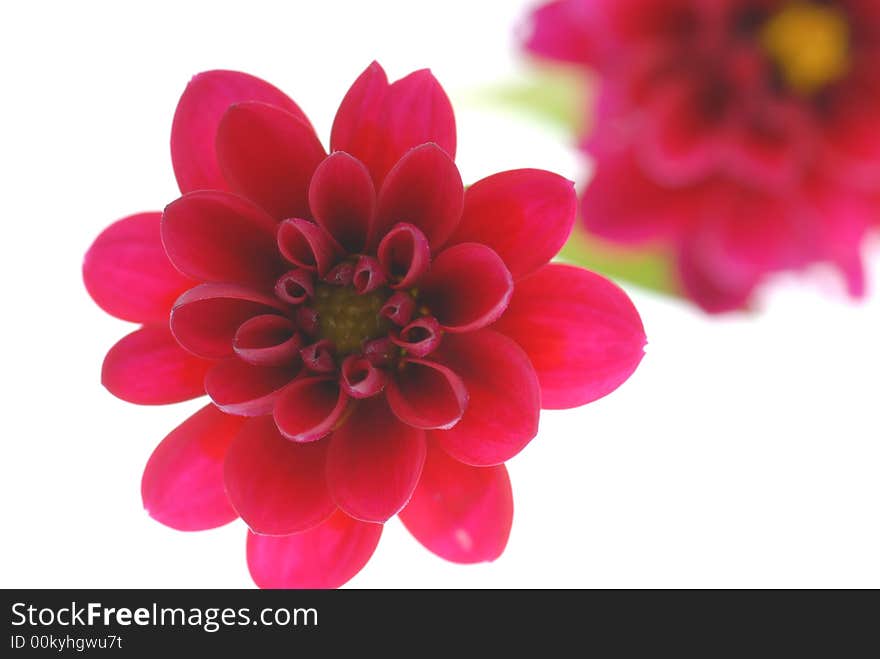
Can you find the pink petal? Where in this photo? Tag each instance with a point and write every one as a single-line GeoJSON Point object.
{"type": "Point", "coordinates": [683, 140]}
{"type": "Point", "coordinates": [198, 114]}
{"type": "Point", "coordinates": [367, 275]}
{"type": "Point", "coordinates": [360, 378]}
{"type": "Point", "coordinates": [269, 155]}
{"type": "Point", "coordinates": [128, 274]}
{"type": "Point", "coordinates": [295, 286]}
{"type": "Point", "coordinates": [277, 486]}
{"type": "Point", "coordinates": [267, 341]}
{"type": "Point", "coordinates": [713, 293]}
{"type": "Point", "coordinates": [378, 123]}
{"type": "Point", "coordinates": [148, 367]}
{"type": "Point", "coordinates": [205, 319]}
{"type": "Point", "coordinates": [399, 308]}
{"type": "Point", "coordinates": [423, 189]}
{"type": "Point", "coordinates": [343, 200]}
{"type": "Point", "coordinates": [468, 287]}
{"type": "Point", "coordinates": [581, 332]}
{"type": "Point", "coordinates": [357, 126]}
{"type": "Point", "coordinates": [307, 245]}
{"type": "Point", "coordinates": [460, 513]}
{"type": "Point", "coordinates": [504, 398]}
{"type": "Point", "coordinates": [405, 255]}
{"type": "Point", "coordinates": [310, 409]}
{"type": "Point", "coordinates": [426, 395]}
{"type": "Point", "coordinates": [622, 204]}
{"type": "Point", "coordinates": [850, 126]}
{"type": "Point", "coordinates": [417, 111]}
{"type": "Point", "coordinates": [318, 357]}
{"type": "Point", "coordinates": [341, 275]}
{"type": "Point", "coordinates": [374, 462]}
{"type": "Point", "coordinates": [183, 485]}
{"type": "Point", "coordinates": [420, 338]}
{"type": "Point", "coordinates": [525, 215]}
{"type": "Point", "coordinates": [326, 556]}
{"type": "Point", "coordinates": [380, 352]}
{"type": "Point", "coordinates": [237, 387]}
{"type": "Point", "coordinates": [217, 236]}
{"type": "Point", "coordinates": [567, 30]}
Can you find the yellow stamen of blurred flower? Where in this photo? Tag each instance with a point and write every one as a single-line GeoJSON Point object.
{"type": "Point", "coordinates": [809, 43]}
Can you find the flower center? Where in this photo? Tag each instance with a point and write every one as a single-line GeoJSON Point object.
{"type": "Point", "coordinates": [809, 43]}
{"type": "Point", "coordinates": [348, 318]}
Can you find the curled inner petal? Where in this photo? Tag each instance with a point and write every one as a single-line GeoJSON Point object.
{"type": "Point", "coordinates": [421, 337]}
{"type": "Point", "coordinates": [368, 275]}
{"type": "Point", "coordinates": [310, 408]}
{"type": "Point", "coordinates": [342, 274]}
{"type": "Point", "coordinates": [360, 378]}
{"type": "Point", "coordinates": [267, 340]}
{"type": "Point", "coordinates": [405, 255]}
{"type": "Point", "coordinates": [307, 245]}
{"type": "Point", "coordinates": [295, 286]}
{"type": "Point", "coordinates": [427, 395]}
{"type": "Point", "coordinates": [399, 308]}
{"type": "Point", "coordinates": [237, 387]}
{"type": "Point", "coordinates": [318, 357]}
{"type": "Point", "coordinates": [380, 352]}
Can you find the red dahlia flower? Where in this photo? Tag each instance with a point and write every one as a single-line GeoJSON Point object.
{"type": "Point", "coordinates": [374, 339]}
{"type": "Point", "coordinates": [740, 133]}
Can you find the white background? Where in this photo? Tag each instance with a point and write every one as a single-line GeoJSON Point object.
{"type": "Point", "coordinates": [744, 451]}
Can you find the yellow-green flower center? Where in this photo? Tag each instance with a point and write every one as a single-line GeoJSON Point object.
{"type": "Point", "coordinates": [349, 319]}
{"type": "Point", "coordinates": [809, 43]}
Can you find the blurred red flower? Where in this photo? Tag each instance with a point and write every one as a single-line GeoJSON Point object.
{"type": "Point", "coordinates": [374, 339]}
{"type": "Point", "coordinates": [742, 134]}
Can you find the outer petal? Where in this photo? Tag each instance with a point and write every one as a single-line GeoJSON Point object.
{"type": "Point", "coordinates": [205, 319]}
{"type": "Point", "coordinates": [218, 236]}
{"type": "Point", "coordinates": [423, 189]}
{"type": "Point", "coordinates": [148, 367]}
{"type": "Point", "coordinates": [427, 395]}
{"type": "Point", "coordinates": [343, 200]}
{"type": "Point", "coordinates": [183, 485]}
{"type": "Point", "coordinates": [374, 462]}
{"type": "Point", "coordinates": [581, 332]}
{"type": "Point", "coordinates": [326, 556]}
{"type": "Point", "coordinates": [460, 513]}
{"type": "Point", "coordinates": [128, 274]}
{"type": "Point", "coordinates": [356, 128]}
{"type": "Point", "coordinates": [237, 387]}
{"type": "Point", "coordinates": [504, 398]}
{"type": "Point", "coordinates": [277, 486]}
{"type": "Point", "coordinates": [198, 114]}
{"type": "Point", "coordinates": [378, 123]}
{"type": "Point", "coordinates": [269, 155]}
{"type": "Point", "coordinates": [525, 215]}
{"type": "Point", "coordinates": [468, 287]}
